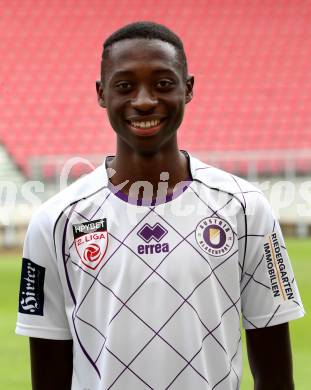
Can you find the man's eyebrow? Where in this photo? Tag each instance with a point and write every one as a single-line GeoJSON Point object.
{"type": "Point", "coordinates": [125, 73]}
{"type": "Point", "coordinates": [165, 70]}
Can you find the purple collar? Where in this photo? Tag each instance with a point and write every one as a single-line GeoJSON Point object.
{"type": "Point", "coordinates": [151, 202]}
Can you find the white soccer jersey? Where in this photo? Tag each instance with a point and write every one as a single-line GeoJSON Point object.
{"type": "Point", "coordinates": [152, 295]}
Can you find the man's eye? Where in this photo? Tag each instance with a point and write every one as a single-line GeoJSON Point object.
{"type": "Point", "coordinates": [124, 86]}
{"type": "Point", "coordinates": [164, 83]}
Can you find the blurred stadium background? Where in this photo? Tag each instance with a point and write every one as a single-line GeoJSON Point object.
{"type": "Point", "coordinates": [251, 112]}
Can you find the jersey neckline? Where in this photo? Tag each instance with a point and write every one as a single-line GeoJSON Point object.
{"type": "Point", "coordinates": [180, 188]}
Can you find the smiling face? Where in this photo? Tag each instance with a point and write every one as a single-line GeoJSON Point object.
{"type": "Point", "coordinates": [144, 92]}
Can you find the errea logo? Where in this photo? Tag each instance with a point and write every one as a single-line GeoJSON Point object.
{"type": "Point", "coordinates": [152, 233]}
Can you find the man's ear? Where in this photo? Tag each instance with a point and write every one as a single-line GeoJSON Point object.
{"type": "Point", "coordinates": [189, 88]}
{"type": "Point", "coordinates": [100, 94]}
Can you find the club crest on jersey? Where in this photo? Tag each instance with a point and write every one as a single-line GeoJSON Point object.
{"type": "Point", "coordinates": [215, 236]}
{"type": "Point", "coordinates": [91, 241]}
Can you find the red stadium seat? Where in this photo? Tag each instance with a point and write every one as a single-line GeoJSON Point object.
{"type": "Point", "coordinates": [252, 88]}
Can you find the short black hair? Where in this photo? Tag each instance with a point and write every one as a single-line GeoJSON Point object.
{"type": "Point", "coordinates": [146, 30]}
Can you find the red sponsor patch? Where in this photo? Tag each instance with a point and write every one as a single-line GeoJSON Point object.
{"type": "Point", "coordinates": [91, 242]}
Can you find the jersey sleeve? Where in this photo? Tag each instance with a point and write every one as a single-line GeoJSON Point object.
{"type": "Point", "coordinates": [41, 306]}
{"type": "Point", "coordinates": [269, 293]}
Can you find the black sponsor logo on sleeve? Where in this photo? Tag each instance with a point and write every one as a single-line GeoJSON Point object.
{"type": "Point", "coordinates": [31, 296]}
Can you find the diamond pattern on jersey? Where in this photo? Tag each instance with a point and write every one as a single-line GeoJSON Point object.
{"type": "Point", "coordinates": [160, 243]}
{"type": "Point", "coordinates": [188, 379]}
{"type": "Point", "coordinates": [155, 313]}
{"type": "Point", "coordinates": [160, 337]}
{"type": "Point", "coordinates": [189, 264]}
{"type": "Point", "coordinates": [178, 327]}
{"type": "Point", "coordinates": [201, 297]}
{"type": "Point", "coordinates": [128, 379]}
{"type": "Point", "coordinates": [216, 358]}
{"type": "Point", "coordinates": [113, 367]}
{"type": "Point", "coordinates": [256, 277]}
{"type": "Point", "coordinates": [103, 294]}
{"type": "Point", "coordinates": [225, 278]}
{"type": "Point", "coordinates": [116, 273]}
{"type": "Point", "coordinates": [150, 329]}
{"type": "Point", "coordinates": [158, 353]}
{"type": "Point", "coordinates": [90, 334]}
{"type": "Point", "coordinates": [120, 339]}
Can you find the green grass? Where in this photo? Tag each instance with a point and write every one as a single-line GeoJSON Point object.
{"type": "Point", "coordinates": [300, 252]}
{"type": "Point", "coordinates": [14, 356]}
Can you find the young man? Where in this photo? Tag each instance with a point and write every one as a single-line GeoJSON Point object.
{"type": "Point", "coordinates": [129, 289]}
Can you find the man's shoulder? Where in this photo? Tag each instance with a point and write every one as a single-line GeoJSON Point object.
{"type": "Point", "coordinates": [221, 180]}
{"type": "Point", "coordinates": [82, 188]}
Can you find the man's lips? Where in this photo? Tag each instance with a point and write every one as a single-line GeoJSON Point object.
{"type": "Point", "coordinates": [151, 128]}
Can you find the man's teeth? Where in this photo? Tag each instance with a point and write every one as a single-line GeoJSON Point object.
{"type": "Point", "coordinates": [146, 125]}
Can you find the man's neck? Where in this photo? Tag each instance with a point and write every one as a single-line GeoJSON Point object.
{"type": "Point", "coordinates": [170, 166]}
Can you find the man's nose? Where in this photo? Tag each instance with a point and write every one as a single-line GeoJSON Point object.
{"type": "Point", "coordinates": [144, 101]}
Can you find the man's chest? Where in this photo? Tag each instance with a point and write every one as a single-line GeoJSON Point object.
{"type": "Point", "coordinates": [154, 250]}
